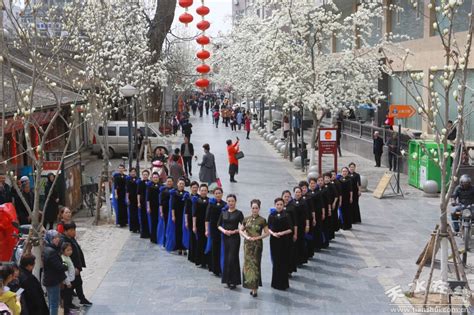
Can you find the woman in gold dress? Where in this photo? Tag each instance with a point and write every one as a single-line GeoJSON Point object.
{"type": "Point", "coordinates": [253, 230]}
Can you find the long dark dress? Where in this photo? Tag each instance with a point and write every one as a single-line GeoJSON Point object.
{"type": "Point", "coordinates": [199, 212]}
{"type": "Point", "coordinates": [291, 211]}
{"type": "Point", "coordinates": [178, 203]}
{"type": "Point", "coordinates": [213, 213]}
{"type": "Point", "coordinates": [324, 222]}
{"type": "Point", "coordinates": [316, 243]}
{"type": "Point", "coordinates": [153, 197]}
{"type": "Point", "coordinates": [230, 221]}
{"type": "Point", "coordinates": [346, 207]}
{"type": "Point", "coordinates": [132, 190]}
{"type": "Point", "coordinates": [120, 184]}
{"type": "Point", "coordinates": [330, 192]}
{"type": "Point", "coordinates": [356, 218]}
{"type": "Point", "coordinates": [336, 187]}
{"type": "Point", "coordinates": [51, 207]}
{"type": "Point", "coordinates": [165, 206]}
{"type": "Point", "coordinates": [192, 236]}
{"type": "Point", "coordinates": [299, 220]}
{"type": "Point", "coordinates": [251, 273]}
{"type": "Point", "coordinates": [280, 249]}
{"type": "Point", "coordinates": [143, 216]}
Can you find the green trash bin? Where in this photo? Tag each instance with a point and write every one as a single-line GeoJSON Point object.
{"type": "Point", "coordinates": [429, 168]}
{"type": "Point", "coordinates": [414, 163]}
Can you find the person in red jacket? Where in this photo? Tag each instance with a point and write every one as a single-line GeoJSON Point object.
{"type": "Point", "coordinates": [247, 125]}
{"type": "Point", "coordinates": [232, 149]}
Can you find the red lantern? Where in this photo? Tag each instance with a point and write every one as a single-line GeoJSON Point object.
{"type": "Point", "coordinates": [203, 68]}
{"type": "Point", "coordinates": [202, 83]}
{"type": "Point", "coordinates": [185, 3]}
{"type": "Point", "coordinates": [203, 25]}
{"type": "Point", "coordinates": [186, 18]}
{"type": "Point", "coordinates": [203, 54]}
{"type": "Point", "coordinates": [202, 10]}
{"type": "Point", "coordinates": [203, 40]}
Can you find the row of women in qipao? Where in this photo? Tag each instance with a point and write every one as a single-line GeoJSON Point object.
{"type": "Point", "coordinates": [210, 229]}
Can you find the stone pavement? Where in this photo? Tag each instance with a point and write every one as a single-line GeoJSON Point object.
{"type": "Point", "coordinates": [350, 277]}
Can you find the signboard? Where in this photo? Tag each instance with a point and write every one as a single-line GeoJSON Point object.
{"type": "Point", "coordinates": [327, 144]}
{"type": "Point", "coordinates": [401, 111]}
{"type": "Point", "coordinates": [382, 185]}
{"type": "Point", "coordinates": [51, 165]}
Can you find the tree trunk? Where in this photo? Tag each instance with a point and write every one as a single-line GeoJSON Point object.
{"type": "Point", "coordinates": [159, 28]}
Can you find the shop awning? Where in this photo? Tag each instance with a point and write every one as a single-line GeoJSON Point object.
{"type": "Point", "coordinates": [40, 118]}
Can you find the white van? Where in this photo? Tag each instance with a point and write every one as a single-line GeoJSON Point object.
{"type": "Point", "coordinates": [117, 137]}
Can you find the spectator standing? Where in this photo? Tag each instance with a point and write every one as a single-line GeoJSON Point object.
{"type": "Point", "coordinates": [51, 208]}
{"type": "Point", "coordinates": [21, 210]}
{"type": "Point", "coordinates": [53, 270]}
{"type": "Point", "coordinates": [5, 191]}
{"type": "Point", "coordinates": [239, 119]}
{"type": "Point", "coordinates": [32, 299]}
{"type": "Point", "coordinates": [392, 145]}
{"type": "Point", "coordinates": [176, 169]}
{"type": "Point", "coordinates": [65, 216]}
{"type": "Point", "coordinates": [66, 291]}
{"type": "Point", "coordinates": [187, 152]}
{"type": "Point", "coordinates": [232, 149]}
{"type": "Point", "coordinates": [452, 131]}
{"type": "Point", "coordinates": [207, 173]}
{"type": "Point", "coordinates": [378, 148]}
{"type": "Point", "coordinates": [78, 260]}
{"type": "Point", "coordinates": [286, 126]}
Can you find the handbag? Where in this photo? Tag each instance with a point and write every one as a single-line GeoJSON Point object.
{"type": "Point", "coordinates": [239, 155]}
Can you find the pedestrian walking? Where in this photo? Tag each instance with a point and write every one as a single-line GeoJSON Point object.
{"type": "Point", "coordinates": [164, 210]}
{"type": "Point", "coordinates": [141, 199]}
{"type": "Point", "coordinates": [207, 172]}
{"type": "Point", "coordinates": [356, 218]}
{"type": "Point", "coordinates": [239, 119]}
{"type": "Point", "coordinates": [187, 129]}
{"type": "Point", "coordinates": [215, 115]}
{"type": "Point", "coordinates": [213, 212]}
{"type": "Point", "coordinates": [338, 126]}
{"type": "Point", "coordinates": [120, 189]}
{"type": "Point", "coordinates": [52, 205]}
{"type": "Point", "coordinates": [176, 169]}
{"type": "Point", "coordinates": [32, 298]}
{"type": "Point", "coordinates": [200, 107]}
{"type": "Point", "coordinates": [393, 153]}
{"type": "Point", "coordinates": [78, 259]}
{"type": "Point", "coordinates": [378, 148]}
{"type": "Point", "coordinates": [187, 152]}
{"type": "Point", "coordinates": [228, 224]}
{"type": "Point", "coordinates": [279, 224]}
{"type": "Point", "coordinates": [53, 270]}
{"type": "Point", "coordinates": [199, 226]}
{"type": "Point", "coordinates": [233, 122]}
{"type": "Point", "coordinates": [346, 199]}
{"type": "Point", "coordinates": [188, 224]}
{"type": "Point", "coordinates": [132, 201]}
{"type": "Point", "coordinates": [153, 205]}
{"type": "Point", "coordinates": [254, 228]}
{"type": "Point", "coordinates": [206, 106]}
{"type": "Point", "coordinates": [174, 229]}
{"type": "Point", "coordinates": [286, 126]}
{"type": "Point", "coordinates": [247, 126]}
{"type": "Point", "coordinates": [232, 149]}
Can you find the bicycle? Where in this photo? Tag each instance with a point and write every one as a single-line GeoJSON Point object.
{"type": "Point", "coordinates": [89, 197]}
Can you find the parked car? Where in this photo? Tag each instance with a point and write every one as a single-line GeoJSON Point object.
{"type": "Point", "coordinates": [117, 137]}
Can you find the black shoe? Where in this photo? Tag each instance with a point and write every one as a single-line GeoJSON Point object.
{"type": "Point", "coordinates": [86, 302]}
{"type": "Point", "coordinates": [74, 307]}
{"type": "Point", "coordinates": [190, 174]}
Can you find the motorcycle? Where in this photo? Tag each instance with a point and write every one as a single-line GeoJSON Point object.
{"type": "Point", "coordinates": [464, 215]}
{"type": "Point", "coordinates": [22, 235]}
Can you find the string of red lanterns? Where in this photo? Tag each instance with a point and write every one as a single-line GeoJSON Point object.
{"type": "Point", "coordinates": [186, 18]}
{"type": "Point", "coordinates": [203, 40]}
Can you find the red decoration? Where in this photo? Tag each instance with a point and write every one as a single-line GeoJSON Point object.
{"type": "Point", "coordinates": [186, 18]}
{"type": "Point", "coordinates": [203, 25]}
{"type": "Point", "coordinates": [203, 54]}
{"type": "Point", "coordinates": [185, 3]}
{"type": "Point", "coordinates": [203, 68]}
{"type": "Point", "coordinates": [202, 83]}
{"type": "Point", "coordinates": [203, 40]}
{"type": "Point", "coordinates": [202, 10]}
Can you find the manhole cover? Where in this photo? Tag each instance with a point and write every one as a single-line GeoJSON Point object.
{"type": "Point", "coordinates": [376, 271]}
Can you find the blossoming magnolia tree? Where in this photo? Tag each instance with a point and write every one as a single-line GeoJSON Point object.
{"type": "Point", "coordinates": [287, 57]}
{"type": "Point", "coordinates": [448, 98]}
{"type": "Point", "coordinates": [44, 58]}
{"type": "Point", "coordinates": [113, 46]}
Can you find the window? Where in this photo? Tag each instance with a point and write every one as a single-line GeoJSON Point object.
{"type": "Point", "coordinates": [112, 131]}
{"type": "Point", "coordinates": [101, 131]}
{"type": "Point", "coordinates": [151, 133]}
{"type": "Point", "coordinates": [123, 131]}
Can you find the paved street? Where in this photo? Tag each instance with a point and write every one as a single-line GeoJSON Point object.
{"type": "Point", "coordinates": [350, 277]}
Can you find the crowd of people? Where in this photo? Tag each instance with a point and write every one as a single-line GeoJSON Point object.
{"type": "Point", "coordinates": [206, 227]}
{"type": "Point", "coordinates": [21, 292]}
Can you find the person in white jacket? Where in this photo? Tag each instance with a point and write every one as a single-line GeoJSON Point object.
{"type": "Point", "coordinates": [66, 292]}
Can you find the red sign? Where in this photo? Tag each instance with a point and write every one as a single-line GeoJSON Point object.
{"type": "Point", "coordinates": [51, 165]}
{"type": "Point", "coordinates": [327, 144]}
{"type": "Point", "coordinates": [401, 111]}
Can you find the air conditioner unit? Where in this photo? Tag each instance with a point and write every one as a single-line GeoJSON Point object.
{"type": "Point", "coordinates": [236, 2]}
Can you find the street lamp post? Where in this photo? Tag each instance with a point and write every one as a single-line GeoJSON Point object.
{"type": "Point", "coordinates": [128, 92]}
